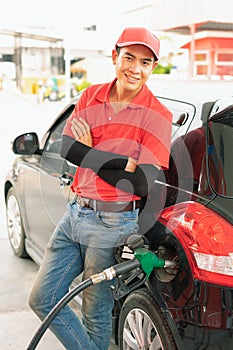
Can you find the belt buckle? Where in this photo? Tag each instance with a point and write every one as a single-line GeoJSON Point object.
{"type": "Point", "coordinates": [82, 201]}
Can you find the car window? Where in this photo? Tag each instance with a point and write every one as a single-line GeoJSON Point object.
{"type": "Point", "coordinates": [53, 140]}
{"type": "Point", "coordinates": [52, 162]}
{"type": "Point", "coordinates": [53, 144]}
{"type": "Point", "coordinates": [182, 115]}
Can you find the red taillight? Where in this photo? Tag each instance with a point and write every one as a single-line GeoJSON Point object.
{"type": "Point", "coordinates": [207, 239]}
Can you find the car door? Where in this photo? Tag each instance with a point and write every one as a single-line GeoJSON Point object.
{"type": "Point", "coordinates": [47, 191]}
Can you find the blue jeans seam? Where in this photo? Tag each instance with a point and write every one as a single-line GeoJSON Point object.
{"type": "Point", "coordinates": [75, 334]}
{"type": "Point", "coordinates": [54, 297]}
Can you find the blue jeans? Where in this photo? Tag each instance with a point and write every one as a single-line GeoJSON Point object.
{"type": "Point", "coordinates": [84, 241]}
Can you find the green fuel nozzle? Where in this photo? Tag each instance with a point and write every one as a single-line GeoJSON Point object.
{"type": "Point", "coordinates": [143, 258]}
{"type": "Point", "coordinates": [149, 260]}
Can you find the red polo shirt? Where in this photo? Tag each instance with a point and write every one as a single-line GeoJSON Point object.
{"type": "Point", "coordinates": [142, 130]}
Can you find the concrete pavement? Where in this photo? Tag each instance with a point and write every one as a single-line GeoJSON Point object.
{"type": "Point", "coordinates": [17, 322]}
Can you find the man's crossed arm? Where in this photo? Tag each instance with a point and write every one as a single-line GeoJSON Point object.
{"type": "Point", "coordinates": [110, 167]}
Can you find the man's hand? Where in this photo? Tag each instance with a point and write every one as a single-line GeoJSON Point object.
{"type": "Point", "coordinates": [81, 131]}
{"type": "Point", "coordinates": [131, 165]}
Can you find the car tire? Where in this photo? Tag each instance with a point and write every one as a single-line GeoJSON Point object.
{"type": "Point", "coordinates": [15, 228]}
{"type": "Point", "coordinates": [142, 324]}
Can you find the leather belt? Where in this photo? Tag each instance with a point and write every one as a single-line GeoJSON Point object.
{"type": "Point", "coordinates": [114, 207]}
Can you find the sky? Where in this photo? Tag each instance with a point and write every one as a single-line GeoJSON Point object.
{"type": "Point", "coordinates": [67, 19]}
{"type": "Point", "coordinates": [70, 15]}
{"type": "Point", "coordinates": [65, 15]}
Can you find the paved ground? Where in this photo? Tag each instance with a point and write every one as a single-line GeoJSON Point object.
{"type": "Point", "coordinates": [17, 321]}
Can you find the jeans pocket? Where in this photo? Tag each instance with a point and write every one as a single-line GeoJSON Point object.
{"type": "Point", "coordinates": [118, 220]}
{"type": "Point", "coordinates": [109, 219]}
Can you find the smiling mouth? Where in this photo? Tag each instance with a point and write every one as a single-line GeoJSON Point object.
{"type": "Point", "coordinates": [131, 79]}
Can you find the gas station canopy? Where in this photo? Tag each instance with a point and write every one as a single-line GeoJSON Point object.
{"type": "Point", "coordinates": [28, 35]}
{"type": "Point", "coordinates": [202, 26]}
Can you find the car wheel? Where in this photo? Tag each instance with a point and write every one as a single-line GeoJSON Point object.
{"type": "Point", "coordinates": [15, 227]}
{"type": "Point", "coordinates": [142, 324]}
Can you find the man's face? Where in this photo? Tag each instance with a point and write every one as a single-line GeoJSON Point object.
{"type": "Point", "coordinates": [134, 65]}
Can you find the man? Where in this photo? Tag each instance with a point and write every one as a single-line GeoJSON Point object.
{"type": "Point", "coordinates": [119, 136]}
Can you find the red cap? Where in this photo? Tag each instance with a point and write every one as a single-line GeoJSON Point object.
{"type": "Point", "coordinates": [139, 35]}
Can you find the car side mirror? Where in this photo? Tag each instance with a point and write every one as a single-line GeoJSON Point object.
{"type": "Point", "coordinates": [26, 144]}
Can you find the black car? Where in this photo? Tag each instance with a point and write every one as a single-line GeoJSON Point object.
{"type": "Point", "coordinates": [187, 219]}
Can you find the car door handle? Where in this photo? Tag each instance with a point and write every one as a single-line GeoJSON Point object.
{"type": "Point", "coordinates": [65, 180]}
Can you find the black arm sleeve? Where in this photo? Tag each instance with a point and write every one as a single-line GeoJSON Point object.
{"type": "Point", "coordinates": [140, 182]}
{"type": "Point", "coordinates": [110, 167]}
{"type": "Point", "coordinates": [88, 157]}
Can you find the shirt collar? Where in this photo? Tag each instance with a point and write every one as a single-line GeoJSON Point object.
{"type": "Point", "coordinates": [104, 93]}
{"type": "Point", "coordinates": [138, 101]}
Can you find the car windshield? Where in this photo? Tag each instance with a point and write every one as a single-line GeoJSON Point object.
{"type": "Point", "coordinates": [220, 148]}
